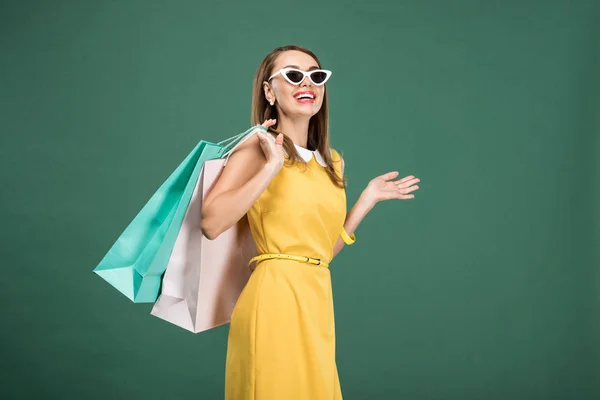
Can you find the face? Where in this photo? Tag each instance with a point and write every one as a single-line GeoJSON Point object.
{"type": "Point", "coordinates": [295, 100]}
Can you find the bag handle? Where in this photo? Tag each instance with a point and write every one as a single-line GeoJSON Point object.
{"type": "Point", "coordinates": [235, 138]}
{"type": "Point", "coordinates": [231, 138]}
{"type": "Point", "coordinates": [242, 137]}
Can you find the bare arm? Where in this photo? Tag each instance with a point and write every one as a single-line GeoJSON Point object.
{"type": "Point", "coordinates": [244, 178]}
{"type": "Point", "coordinates": [360, 209]}
{"type": "Point", "coordinates": [380, 188]}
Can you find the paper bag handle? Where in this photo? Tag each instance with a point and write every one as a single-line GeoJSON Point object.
{"type": "Point", "coordinates": [244, 136]}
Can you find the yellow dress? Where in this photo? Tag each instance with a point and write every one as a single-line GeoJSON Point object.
{"type": "Point", "coordinates": [281, 343]}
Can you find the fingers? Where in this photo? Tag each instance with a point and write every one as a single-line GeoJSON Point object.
{"type": "Point", "coordinates": [405, 182]}
{"type": "Point", "coordinates": [406, 178]}
{"type": "Point", "coordinates": [389, 175]}
{"type": "Point", "coordinates": [398, 195]}
{"type": "Point", "coordinates": [266, 145]}
{"type": "Point", "coordinates": [279, 140]}
{"type": "Point", "coordinates": [263, 139]}
{"type": "Point", "coordinates": [269, 122]}
{"type": "Point", "coordinates": [405, 194]}
{"type": "Point", "coordinates": [272, 148]}
{"type": "Point", "coordinates": [408, 189]}
{"type": "Point", "coordinates": [400, 189]}
{"type": "Point", "coordinates": [406, 186]}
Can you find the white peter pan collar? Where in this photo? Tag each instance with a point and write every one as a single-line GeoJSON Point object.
{"type": "Point", "coordinates": [307, 154]}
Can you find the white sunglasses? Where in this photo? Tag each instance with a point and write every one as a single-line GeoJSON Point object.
{"type": "Point", "coordinates": [296, 76]}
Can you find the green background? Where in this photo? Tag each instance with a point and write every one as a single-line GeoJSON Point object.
{"type": "Point", "coordinates": [486, 286]}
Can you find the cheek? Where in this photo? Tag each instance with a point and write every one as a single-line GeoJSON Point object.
{"type": "Point", "coordinates": [283, 92]}
{"type": "Point", "coordinates": [320, 96]}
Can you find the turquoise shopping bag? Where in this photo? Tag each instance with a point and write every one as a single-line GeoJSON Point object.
{"type": "Point", "coordinates": [136, 262]}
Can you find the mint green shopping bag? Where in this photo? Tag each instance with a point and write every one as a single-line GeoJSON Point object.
{"type": "Point", "coordinates": [136, 262]}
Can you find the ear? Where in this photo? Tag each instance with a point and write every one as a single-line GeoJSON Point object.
{"type": "Point", "coordinates": [269, 93]}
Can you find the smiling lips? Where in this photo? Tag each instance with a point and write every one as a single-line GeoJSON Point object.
{"type": "Point", "coordinates": [307, 96]}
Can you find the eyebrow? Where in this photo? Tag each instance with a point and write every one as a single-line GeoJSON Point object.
{"type": "Point", "coordinates": [297, 67]}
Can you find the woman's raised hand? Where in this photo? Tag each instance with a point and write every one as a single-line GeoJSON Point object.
{"type": "Point", "coordinates": [384, 188]}
{"type": "Point", "coordinates": [273, 150]}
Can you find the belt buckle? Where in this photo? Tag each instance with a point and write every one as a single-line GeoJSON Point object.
{"type": "Point", "coordinates": [311, 260]}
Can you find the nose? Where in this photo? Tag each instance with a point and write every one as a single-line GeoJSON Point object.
{"type": "Point", "coordinates": [306, 82]}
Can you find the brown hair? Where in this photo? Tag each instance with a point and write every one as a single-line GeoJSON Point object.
{"type": "Point", "coordinates": [318, 127]}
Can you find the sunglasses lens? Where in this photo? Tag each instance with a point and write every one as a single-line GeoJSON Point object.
{"type": "Point", "coordinates": [294, 76]}
{"type": "Point", "coordinates": [318, 77]}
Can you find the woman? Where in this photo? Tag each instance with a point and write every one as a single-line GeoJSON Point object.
{"type": "Point", "coordinates": [289, 183]}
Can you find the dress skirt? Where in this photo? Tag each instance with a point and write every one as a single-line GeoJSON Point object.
{"type": "Point", "coordinates": [281, 343]}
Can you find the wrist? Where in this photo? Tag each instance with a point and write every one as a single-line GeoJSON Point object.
{"type": "Point", "coordinates": [271, 169]}
{"type": "Point", "coordinates": [365, 201]}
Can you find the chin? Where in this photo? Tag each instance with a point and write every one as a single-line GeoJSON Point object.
{"type": "Point", "coordinates": [307, 113]}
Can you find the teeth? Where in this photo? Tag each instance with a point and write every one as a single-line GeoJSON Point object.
{"type": "Point", "coordinates": [305, 96]}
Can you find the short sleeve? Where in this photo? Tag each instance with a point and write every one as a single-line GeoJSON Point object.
{"type": "Point", "coordinates": [332, 152]}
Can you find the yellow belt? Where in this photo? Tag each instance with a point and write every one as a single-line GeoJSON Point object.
{"type": "Point", "coordinates": [315, 261]}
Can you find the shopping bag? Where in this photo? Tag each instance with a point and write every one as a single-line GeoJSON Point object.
{"type": "Point", "coordinates": [136, 262]}
{"type": "Point", "coordinates": [204, 278]}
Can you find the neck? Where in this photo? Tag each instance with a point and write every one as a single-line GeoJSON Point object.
{"type": "Point", "coordinates": [296, 129]}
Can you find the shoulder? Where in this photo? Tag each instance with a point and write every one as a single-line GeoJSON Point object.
{"type": "Point", "coordinates": [244, 162]}
{"type": "Point", "coordinates": [246, 156]}
{"type": "Point", "coordinates": [249, 148]}
{"type": "Point", "coordinates": [336, 157]}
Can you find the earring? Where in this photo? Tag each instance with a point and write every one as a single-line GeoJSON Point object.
{"type": "Point", "coordinates": [272, 102]}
